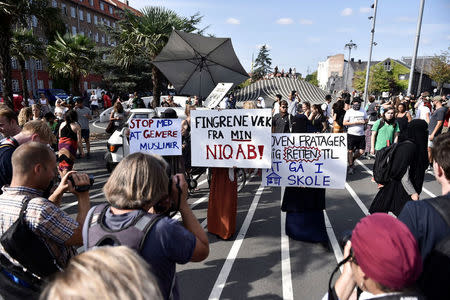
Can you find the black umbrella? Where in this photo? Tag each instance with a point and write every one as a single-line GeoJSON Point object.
{"type": "Point", "coordinates": [195, 64]}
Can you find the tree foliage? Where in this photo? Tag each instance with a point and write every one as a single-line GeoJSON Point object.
{"type": "Point", "coordinates": [25, 46]}
{"type": "Point", "coordinates": [312, 78]}
{"type": "Point", "coordinates": [18, 13]}
{"type": "Point", "coordinates": [146, 35]}
{"type": "Point", "coordinates": [381, 80]}
{"type": "Point", "coordinates": [262, 64]}
{"type": "Point", "coordinates": [71, 56]}
{"type": "Point", "coordinates": [440, 69]}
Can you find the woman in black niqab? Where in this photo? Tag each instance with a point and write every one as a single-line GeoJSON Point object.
{"type": "Point", "coordinates": [407, 173]}
{"type": "Point", "coordinates": [304, 206]}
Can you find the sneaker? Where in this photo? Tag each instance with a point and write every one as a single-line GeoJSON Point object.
{"type": "Point", "coordinates": [430, 170]}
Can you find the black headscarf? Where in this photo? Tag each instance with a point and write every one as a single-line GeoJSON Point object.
{"type": "Point", "coordinates": [417, 132]}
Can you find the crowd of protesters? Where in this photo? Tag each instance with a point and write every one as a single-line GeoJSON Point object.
{"type": "Point", "coordinates": [140, 194]}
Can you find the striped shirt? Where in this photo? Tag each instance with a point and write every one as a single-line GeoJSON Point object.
{"type": "Point", "coordinates": [43, 217]}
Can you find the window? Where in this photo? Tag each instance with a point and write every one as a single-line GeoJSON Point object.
{"type": "Point", "coordinates": [81, 33]}
{"type": "Point", "coordinates": [34, 21]}
{"type": "Point", "coordinates": [103, 39]}
{"type": "Point", "coordinates": [90, 34]}
{"type": "Point", "coordinates": [73, 13]}
{"type": "Point", "coordinates": [102, 6]}
{"type": "Point", "coordinates": [95, 20]}
{"type": "Point", "coordinates": [26, 65]}
{"type": "Point", "coordinates": [63, 9]}
{"type": "Point", "coordinates": [88, 17]}
{"type": "Point", "coordinates": [54, 3]}
{"type": "Point", "coordinates": [108, 23]}
{"type": "Point", "coordinates": [387, 65]}
{"type": "Point", "coordinates": [50, 84]}
{"type": "Point", "coordinates": [40, 84]}
{"type": "Point", "coordinates": [15, 85]}
{"type": "Point", "coordinates": [80, 12]}
{"type": "Point", "coordinates": [85, 85]}
{"type": "Point", "coordinates": [74, 30]}
{"type": "Point", "coordinates": [96, 37]}
{"type": "Point", "coordinates": [29, 84]}
{"type": "Point", "coordinates": [110, 10]}
{"type": "Point", "coordinates": [114, 24]}
{"type": "Point", "coordinates": [13, 63]}
{"type": "Point", "coordinates": [403, 76]}
{"type": "Point", "coordinates": [38, 63]}
{"type": "Point", "coordinates": [91, 2]}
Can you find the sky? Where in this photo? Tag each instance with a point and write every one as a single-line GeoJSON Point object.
{"type": "Point", "coordinates": [301, 33]}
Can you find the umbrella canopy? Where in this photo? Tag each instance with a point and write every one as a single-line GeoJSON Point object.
{"type": "Point", "coordinates": [195, 64]}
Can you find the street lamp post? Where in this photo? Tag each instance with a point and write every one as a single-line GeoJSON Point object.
{"type": "Point", "coordinates": [372, 33]}
{"type": "Point", "coordinates": [416, 46]}
{"type": "Point", "coordinates": [349, 45]}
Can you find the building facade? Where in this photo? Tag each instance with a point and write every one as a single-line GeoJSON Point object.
{"type": "Point", "coordinates": [85, 17]}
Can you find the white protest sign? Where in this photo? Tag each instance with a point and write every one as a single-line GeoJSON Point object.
{"type": "Point", "coordinates": [316, 160]}
{"type": "Point", "coordinates": [231, 138]}
{"type": "Point", "coordinates": [217, 94]}
{"type": "Point", "coordinates": [156, 136]}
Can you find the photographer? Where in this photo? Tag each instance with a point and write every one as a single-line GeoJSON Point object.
{"type": "Point", "coordinates": [34, 169]}
{"type": "Point", "coordinates": [137, 189]}
{"type": "Point", "coordinates": [382, 259]}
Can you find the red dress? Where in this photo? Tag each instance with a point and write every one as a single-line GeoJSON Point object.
{"type": "Point", "coordinates": [222, 205]}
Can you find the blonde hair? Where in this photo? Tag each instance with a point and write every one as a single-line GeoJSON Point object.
{"type": "Point", "coordinates": [24, 116]}
{"type": "Point", "coordinates": [40, 128]}
{"type": "Point", "coordinates": [138, 181]}
{"type": "Point", "coordinates": [249, 105]}
{"type": "Point", "coordinates": [113, 273]}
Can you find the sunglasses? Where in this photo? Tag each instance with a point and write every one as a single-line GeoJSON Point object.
{"type": "Point", "coordinates": [283, 106]}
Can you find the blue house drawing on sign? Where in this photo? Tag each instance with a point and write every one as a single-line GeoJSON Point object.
{"type": "Point", "coordinates": [273, 178]}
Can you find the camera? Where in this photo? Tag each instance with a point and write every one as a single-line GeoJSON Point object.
{"type": "Point", "coordinates": [171, 204]}
{"type": "Point", "coordinates": [82, 188]}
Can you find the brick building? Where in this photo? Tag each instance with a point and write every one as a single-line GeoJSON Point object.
{"type": "Point", "coordinates": [85, 17]}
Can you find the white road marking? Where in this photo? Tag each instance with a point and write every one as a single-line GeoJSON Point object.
{"type": "Point", "coordinates": [64, 207]}
{"type": "Point", "coordinates": [95, 125]}
{"type": "Point", "coordinates": [286, 278]}
{"type": "Point", "coordinates": [226, 268]}
{"type": "Point", "coordinates": [371, 173]}
{"type": "Point", "coordinates": [332, 237]}
{"type": "Point", "coordinates": [357, 199]}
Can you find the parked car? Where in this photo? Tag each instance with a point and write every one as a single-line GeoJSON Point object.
{"type": "Point", "coordinates": [51, 95]}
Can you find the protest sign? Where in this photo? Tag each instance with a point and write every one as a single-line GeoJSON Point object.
{"type": "Point", "coordinates": [317, 160]}
{"type": "Point", "coordinates": [217, 94]}
{"type": "Point", "coordinates": [156, 136]}
{"type": "Point", "coordinates": [231, 138]}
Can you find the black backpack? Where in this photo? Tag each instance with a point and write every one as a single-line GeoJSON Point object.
{"type": "Point", "coordinates": [382, 165]}
{"type": "Point", "coordinates": [435, 278]}
{"type": "Point", "coordinates": [22, 244]}
{"type": "Point", "coordinates": [132, 236]}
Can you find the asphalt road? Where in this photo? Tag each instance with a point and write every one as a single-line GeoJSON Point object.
{"type": "Point", "coordinates": [260, 262]}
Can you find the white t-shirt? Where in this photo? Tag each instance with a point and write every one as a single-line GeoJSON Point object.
{"type": "Point", "coordinates": [276, 108]}
{"type": "Point", "coordinates": [353, 116]}
{"type": "Point", "coordinates": [422, 112]}
{"type": "Point", "coordinates": [30, 101]}
{"type": "Point", "coordinates": [94, 100]}
{"type": "Point", "coordinates": [327, 111]}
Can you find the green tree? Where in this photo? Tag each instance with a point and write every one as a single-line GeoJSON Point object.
{"type": "Point", "coordinates": [381, 80]}
{"type": "Point", "coordinates": [312, 78]}
{"type": "Point", "coordinates": [19, 13]}
{"type": "Point", "coordinates": [71, 56]}
{"type": "Point", "coordinates": [146, 35]}
{"type": "Point", "coordinates": [25, 46]}
{"type": "Point", "coordinates": [440, 69]}
{"type": "Point", "coordinates": [262, 64]}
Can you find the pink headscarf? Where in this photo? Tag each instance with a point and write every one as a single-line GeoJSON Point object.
{"type": "Point", "coordinates": [386, 251]}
